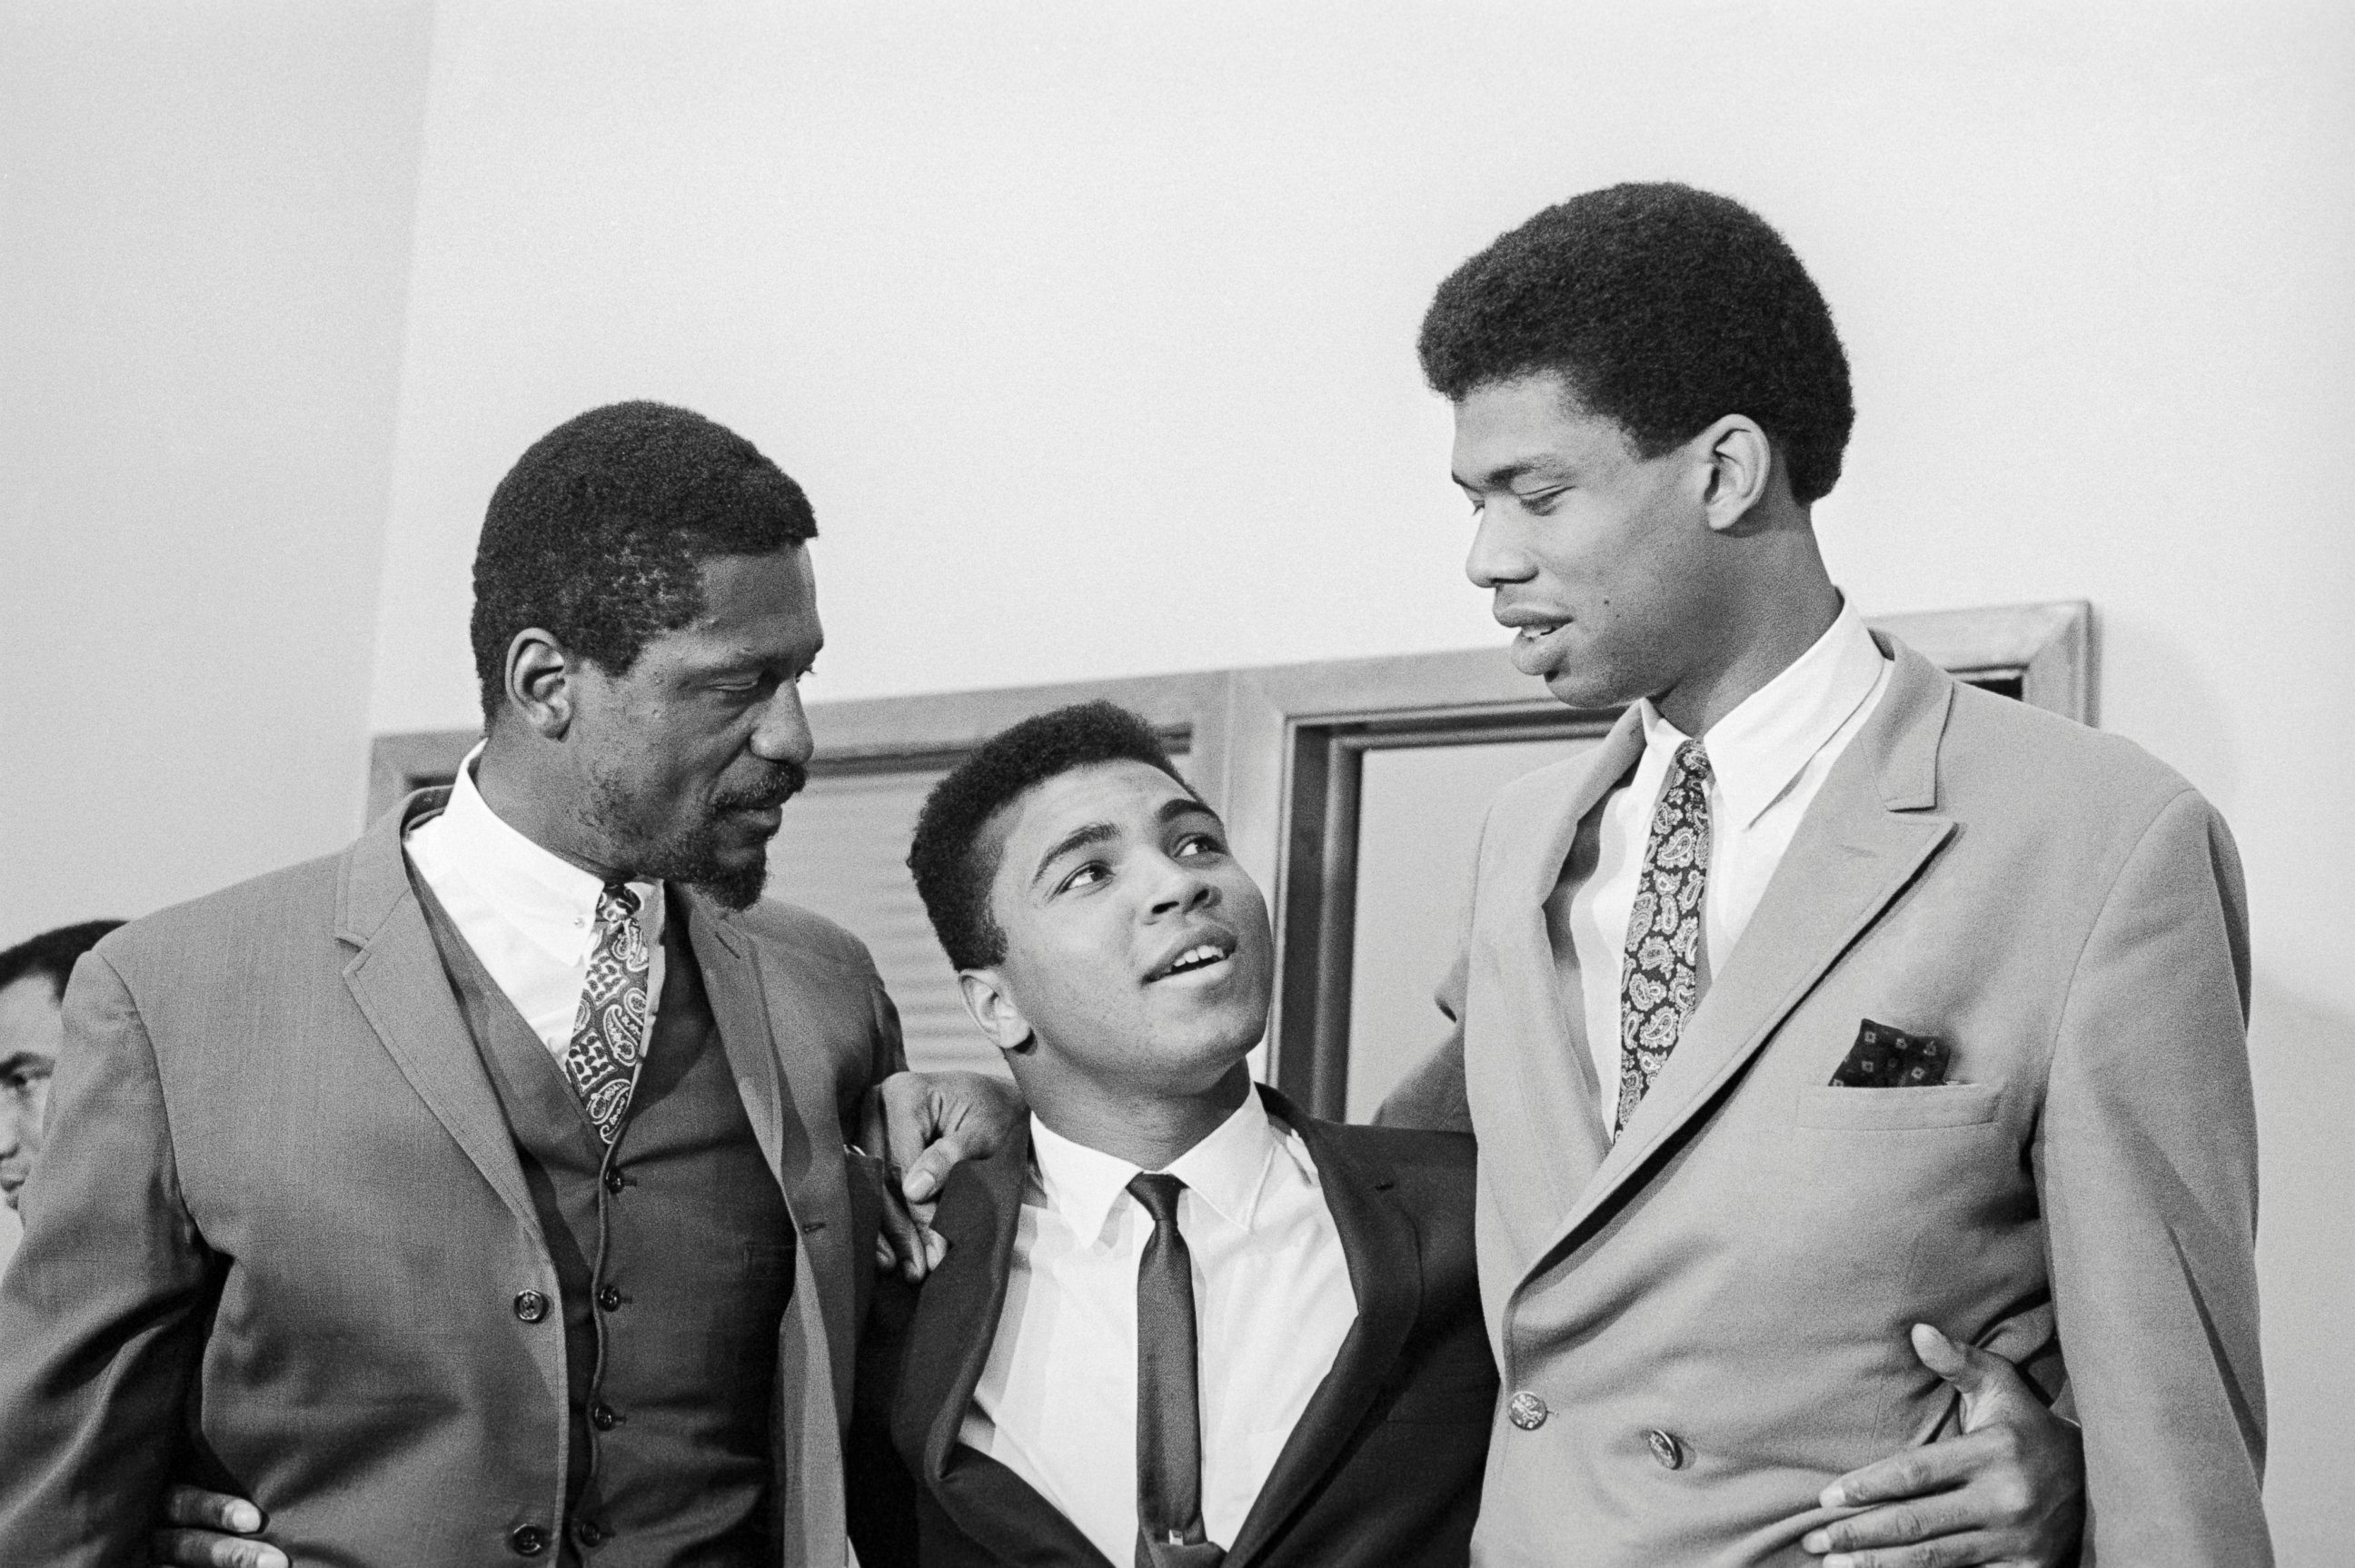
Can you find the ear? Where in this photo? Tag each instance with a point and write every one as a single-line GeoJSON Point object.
{"type": "Point", "coordinates": [540, 682]}
{"type": "Point", "coordinates": [1740, 463]}
{"type": "Point", "coordinates": [994, 1009]}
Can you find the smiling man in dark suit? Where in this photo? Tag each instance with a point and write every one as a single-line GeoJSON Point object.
{"type": "Point", "coordinates": [1180, 1324]}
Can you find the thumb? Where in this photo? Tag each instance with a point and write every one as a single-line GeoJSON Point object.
{"type": "Point", "coordinates": [1984, 1379]}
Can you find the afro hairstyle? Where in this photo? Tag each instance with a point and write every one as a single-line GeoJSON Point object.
{"type": "Point", "coordinates": [51, 954]}
{"type": "Point", "coordinates": [598, 533]}
{"type": "Point", "coordinates": [954, 855]}
{"type": "Point", "coordinates": [1662, 308]}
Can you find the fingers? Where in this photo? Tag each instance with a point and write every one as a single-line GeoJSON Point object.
{"type": "Point", "coordinates": [204, 1548]}
{"type": "Point", "coordinates": [1922, 1522]}
{"type": "Point", "coordinates": [907, 1238]}
{"type": "Point", "coordinates": [1917, 1472]}
{"type": "Point", "coordinates": [1988, 1383]}
{"type": "Point", "coordinates": [211, 1510]}
{"type": "Point", "coordinates": [1950, 1551]}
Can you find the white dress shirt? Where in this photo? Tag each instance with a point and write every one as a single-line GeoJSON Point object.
{"type": "Point", "coordinates": [529, 916]}
{"type": "Point", "coordinates": [1057, 1404]}
{"type": "Point", "coordinates": [1767, 759]}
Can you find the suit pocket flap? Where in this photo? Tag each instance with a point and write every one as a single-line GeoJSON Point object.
{"type": "Point", "coordinates": [1899, 1110]}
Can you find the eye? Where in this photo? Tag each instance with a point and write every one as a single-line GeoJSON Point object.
{"type": "Point", "coordinates": [1083, 876]}
{"type": "Point", "coordinates": [1541, 503]}
{"type": "Point", "coordinates": [1203, 843]}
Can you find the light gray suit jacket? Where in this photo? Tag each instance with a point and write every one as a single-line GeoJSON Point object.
{"type": "Point", "coordinates": [280, 1226]}
{"type": "Point", "coordinates": [1736, 1272]}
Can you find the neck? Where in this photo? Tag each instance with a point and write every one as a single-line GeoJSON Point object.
{"type": "Point", "coordinates": [1149, 1128]}
{"type": "Point", "coordinates": [528, 795]}
{"type": "Point", "coordinates": [1785, 602]}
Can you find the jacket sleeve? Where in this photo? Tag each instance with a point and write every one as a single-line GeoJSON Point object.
{"type": "Point", "coordinates": [2147, 1165]}
{"type": "Point", "coordinates": [103, 1310]}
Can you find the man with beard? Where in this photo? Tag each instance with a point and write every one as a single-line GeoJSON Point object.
{"type": "Point", "coordinates": [481, 1193]}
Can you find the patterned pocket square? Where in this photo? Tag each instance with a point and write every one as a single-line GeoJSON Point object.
{"type": "Point", "coordinates": [1886, 1058]}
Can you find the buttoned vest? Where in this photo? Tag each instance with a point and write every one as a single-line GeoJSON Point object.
{"type": "Point", "coordinates": [674, 1254]}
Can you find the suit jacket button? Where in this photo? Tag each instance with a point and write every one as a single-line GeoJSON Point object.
{"type": "Point", "coordinates": [531, 1307]}
{"type": "Point", "coordinates": [1526, 1411]}
{"type": "Point", "coordinates": [1666, 1448]}
{"type": "Point", "coordinates": [604, 1417]}
{"type": "Point", "coordinates": [614, 1181]}
{"type": "Point", "coordinates": [610, 1298]}
{"type": "Point", "coordinates": [590, 1533]}
{"type": "Point", "coordinates": [528, 1540]}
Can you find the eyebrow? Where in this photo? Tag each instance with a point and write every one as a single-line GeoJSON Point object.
{"type": "Point", "coordinates": [1100, 832]}
{"type": "Point", "coordinates": [18, 1061]}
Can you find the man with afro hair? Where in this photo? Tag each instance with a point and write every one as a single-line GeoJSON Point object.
{"type": "Point", "coordinates": [1826, 1000]}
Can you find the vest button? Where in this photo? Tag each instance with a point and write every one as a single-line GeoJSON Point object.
{"type": "Point", "coordinates": [531, 1307]}
{"type": "Point", "coordinates": [528, 1540]}
{"type": "Point", "coordinates": [604, 1417]}
{"type": "Point", "coordinates": [610, 1298]}
{"type": "Point", "coordinates": [1526, 1411]}
{"type": "Point", "coordinates": [590, 1534]}
{"type": "Point", "coordinates": [613, 1182]}
{"type": "Point", "coordinates": [1666, 1448]}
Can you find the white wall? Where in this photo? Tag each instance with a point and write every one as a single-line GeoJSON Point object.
{"type": "Point", "coordinates": [204, 247]}
{"type": "Point", "coordinates": [1089, 328]}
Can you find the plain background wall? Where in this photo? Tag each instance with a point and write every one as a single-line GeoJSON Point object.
{"type": "Point", "coordinates": [1090, 326]}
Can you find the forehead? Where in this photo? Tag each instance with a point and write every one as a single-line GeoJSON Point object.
{"type": "Point", "coordinates": [31, 1018]}
{"type": "Point", "coordinates": [1126, 797]}
{"type": "Point", "coordinates": [1530, 423]}
{"type": "Point", "coordinates": [761, 607]}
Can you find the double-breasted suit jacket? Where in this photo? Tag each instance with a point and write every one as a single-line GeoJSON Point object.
{"type": "Point", "coordinates": [1708, 1315]}
{"type": "Point", "coordinates": [1382, 1470]}
{"type": "Point", "coordinates": [281, 1239]}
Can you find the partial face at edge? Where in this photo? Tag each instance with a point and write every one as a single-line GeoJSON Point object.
{"type": "Point", "coordinates": [1594, 555]}
{"type": "Point", "coordinates": [1137, 950]}
{"type": "Point", "coordinates": [689, 755]}
{"type": "Point", "coordinates": [32, 1032]}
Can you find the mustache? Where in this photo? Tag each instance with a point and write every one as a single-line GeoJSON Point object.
{"type": "Point", "coordinates": [784, 781]}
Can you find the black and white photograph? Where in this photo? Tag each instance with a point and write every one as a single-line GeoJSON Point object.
{"type": "Point", "coordinates": [903, 784]}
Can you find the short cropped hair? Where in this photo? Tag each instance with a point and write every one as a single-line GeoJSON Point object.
{"type": "Point", "coordinates": [52, 954]}
{"type": "Point", "coordinates": [1663, 308]}
{"type": "Point", "coordinates": [954, 855]}
{"type": "Point", "coordinates": [598, 533]}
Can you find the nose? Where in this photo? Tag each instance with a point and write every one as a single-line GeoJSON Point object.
{"type": "Point", "coordinates": [1181, 890]}
{"type": "Point", "coordinates": [783, 735]}
{"type": "Point", "coordinates": [1496, 556]}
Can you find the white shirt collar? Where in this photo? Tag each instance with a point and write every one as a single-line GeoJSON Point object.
{"type": "Point", "coordinates": [1758, 750]}
{"type": "Point", "coordinates": [1227, 1170]}
{"type": "Point", "coordinates": [550, 900]}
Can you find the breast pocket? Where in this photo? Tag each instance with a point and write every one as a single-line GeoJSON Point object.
{"type": "Point", "coordinates": [1898, 1110]}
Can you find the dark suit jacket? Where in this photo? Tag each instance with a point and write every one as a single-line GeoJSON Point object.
{"type": "Point", "coordinates": [278, 1234]}
{"type": "Point", "coordinates": [1384, 1467]}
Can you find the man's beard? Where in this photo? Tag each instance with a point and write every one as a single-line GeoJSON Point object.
{"type": "Point", "coordinates": [692, 855]}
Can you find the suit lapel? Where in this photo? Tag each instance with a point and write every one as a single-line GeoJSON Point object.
{"type": "Point", "coordinates": [1386, 1273]}
{"type": "Point", "coordinates": [731, 977]}
{"type": "Point", "coordinates": [1864, 838]}
{"type": "Point", "coordinates": [397, 980]}
{"type": "Point", "coordinates": [1557, 1079]}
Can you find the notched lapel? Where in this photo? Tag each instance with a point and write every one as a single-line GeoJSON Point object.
{"type": "Point", "coordinates": [731, 979]}
{"type": "Point", "coordinates": [1386, 1273]}
{"type": "Point", "coordinates": [1557, 1093]}
{"type": "Point", "coordinates": [956, 1323]}
{"type": "Point", "coordinates": [397, 981]}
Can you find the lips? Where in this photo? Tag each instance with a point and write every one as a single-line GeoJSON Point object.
{"type": "Point", "coordinates": [1534, 631]}
{"type": "Point", "coordinates": [1204, 948]}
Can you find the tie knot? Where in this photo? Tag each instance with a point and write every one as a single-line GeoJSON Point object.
{"type": "Point", "coordinates": [1159, 1196]}
{"type": "Point", "coordinates": [1692, 757]}
{"type": "Point", "coordinates": [616, 904]}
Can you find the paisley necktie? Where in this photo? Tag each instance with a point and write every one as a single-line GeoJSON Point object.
{"type": "Point", "coordinates": [1661, 980]}
{"type": "Point", "coordinates": [609, 1033]}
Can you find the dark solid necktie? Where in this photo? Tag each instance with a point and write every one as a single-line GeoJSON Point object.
{"type": "Point", "coordinates": [1169, 1398]}
{"type": "Point", "coordinates": [609, 1032]}
{"type": "Point", "coordinates": [1660, 978]}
